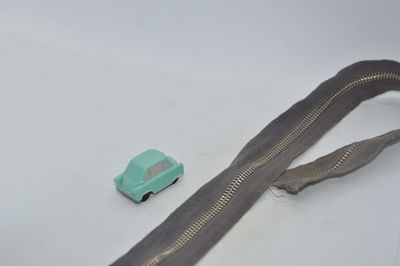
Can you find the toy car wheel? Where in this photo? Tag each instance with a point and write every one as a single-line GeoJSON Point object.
{"type": "Point", "coordinates": [173, 182]}
{"type": "Point", "coordinates": [145, 196]}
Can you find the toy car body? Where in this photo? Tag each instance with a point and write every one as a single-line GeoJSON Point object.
{"type": "Point", "coordinates": [149, 172]}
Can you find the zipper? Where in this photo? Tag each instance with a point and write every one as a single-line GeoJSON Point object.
{"type": "Point", "coordinates": [248, 169]}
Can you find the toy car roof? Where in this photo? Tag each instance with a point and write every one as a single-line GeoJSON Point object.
{"type": "Point", "coordinates": [148, 159]}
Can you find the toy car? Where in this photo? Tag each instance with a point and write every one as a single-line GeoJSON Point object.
{"type": "Point", "coordinates": [149, 172]}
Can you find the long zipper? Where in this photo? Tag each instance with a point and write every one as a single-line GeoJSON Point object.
{"type": "Point", "coordinates": [248, 169]}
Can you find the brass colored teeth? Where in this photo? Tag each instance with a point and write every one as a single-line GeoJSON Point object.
{"type": "Point", "coordinates": [247, 170]}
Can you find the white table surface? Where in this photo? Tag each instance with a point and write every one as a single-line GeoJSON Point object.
{"type": "Point", "coordinates": [87, 85]}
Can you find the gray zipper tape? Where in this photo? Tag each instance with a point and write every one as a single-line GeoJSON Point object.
{"type": "Point", "coordinates": [194, 227]}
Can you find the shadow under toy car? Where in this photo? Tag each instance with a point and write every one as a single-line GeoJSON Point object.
{"type": "Point", "coordinates": [149, 172]}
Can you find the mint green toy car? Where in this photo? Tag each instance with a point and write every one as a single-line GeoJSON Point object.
{"type": "Point", "coordinates": [149, 172]}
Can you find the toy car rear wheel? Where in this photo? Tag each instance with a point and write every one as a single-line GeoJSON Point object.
{"type": "Point", "coordinates": [173, 182]}
{"type": "Point", "coordinates": [145, 196]}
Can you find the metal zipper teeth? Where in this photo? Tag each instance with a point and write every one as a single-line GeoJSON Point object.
{"type": "Point", "coordinates": [247, 170]}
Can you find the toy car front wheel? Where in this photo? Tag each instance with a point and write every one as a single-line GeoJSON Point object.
{"type": "Point", "coordinates": [173, 182]}
{"type": "Point", "coordinates": [145, 196]}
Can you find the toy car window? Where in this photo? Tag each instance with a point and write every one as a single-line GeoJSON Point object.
{"type": "Point", "coordinates": [156, 169]}
{"type": "Point", "coordinates": [147, 175]}
{"type": "Point", "coordinates": [166, 164]}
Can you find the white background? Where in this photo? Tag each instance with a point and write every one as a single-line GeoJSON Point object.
{"type": "Point", "coordinates": [87, 85]}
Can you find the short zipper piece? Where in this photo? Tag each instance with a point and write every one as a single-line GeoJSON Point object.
{"type": "Point", "coordinates": [339, 162]}
{"type": "Point", "coordinates": [249, 169]}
